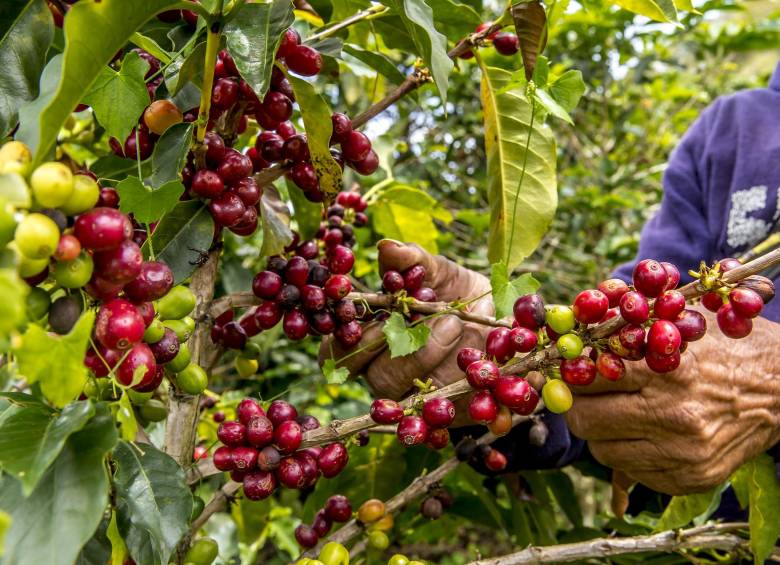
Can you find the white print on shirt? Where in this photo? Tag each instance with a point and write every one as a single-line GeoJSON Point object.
{"type": "Point", "coordinates": [742, 229]}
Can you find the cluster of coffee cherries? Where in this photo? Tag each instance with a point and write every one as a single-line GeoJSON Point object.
{"type": "Point", "coordinates": [438, 500]}
{"type": "Point", "coordinates": [469, 450]}
{"type": "Point", "coordinates": [426, 424]}
{"type": "Point", "coordinates": [411, 282]}
{"type": "Point", "coordinates": [377, 521]}
{"type": "Point", "coordinates": [261, 449]}
{"type": "Point", "coordinates": [506, 43]}
{"type": "Point", "coordinates": [337, 509]}
{"type": "Point", "coordinates": [307, 288]}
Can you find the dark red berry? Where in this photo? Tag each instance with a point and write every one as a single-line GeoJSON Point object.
{"type": "Point", "coordinates": [368, 165]}
{"type": "Point", "coordinates": [613, 289]}
{"type": "Point", "coordinates": [259, 485]}
{"type": "Point", "coordinates": [506, 43]}
{"type": "Point", "coordinates": [731, 324]}
{"type": "Point", "coordinates": [392, 281]}
{"type": "Point", "coordinates": [482, 374]}
{"type": "Point", "coordinates": [412, 430]}
{"type": "Point", "coordinates": [746, 303]}
{"type": "Point", "coordinates": [267, 314]}
{"type": "Point", "coordinates": [414, 277]}
{"type": "Point", "coordinates": [728, 264]}
{"type": "Point", "coordinates": [385, 411]}
{"type": "Point", "coordinates": [712, 301]}
{"type": "Point", "coordinates": [483, 408]}
{"type": "Point", "coordinates": [152, 283]}
{"type": "Point", "coordinates": [119, 265]}
{"type": "Point", "coordinates": [610, 366]}
{"type": "Point", "coordinates": [287, 436]}
{"type": "Point", "coordinates": [468, 355]}
{"type": "Point", "coordinates": [281, 411]}
{"type": "Point", "coordinates": [286, 129]}
{"type": "Point", "coordinates": [215, 148]}
{"type": "Point", "coordinates": [109, 198]}
{"type": "Point", "coordinates": [662, 363]}
{"type": "Point", "coordinates": [340, 260]}
{"type": "Point", "coordinates": [650, 278]}
{"type": "Point", "coordinates": [289, 296]}
{"type": "Point", "coordinates": [342, 127]}
{"type": "Point", "coordinates": [244, 458]}
{"type": "Point", "coordinates": [234, 166]}
{"type": "Point", "coordinates": [290, 40]}
{"type": "Point", "coordinates": [232, 433]}
{"type": "Point", "coordinates": [248, 191]}
{"type": "Point", "coordinates": [578, 371]}
{"type": "Point", "coordinates": [303, 60]}
{"type": "Point", "coordinates": [332, 459]}
{"type": "Point", "coordinates": [313, 298]}
{"type": "Point", "coordinates": [356, 146]}
{"type": "Point", "coordinates": [321, 523]}
{"type": "Point", "coordinates": [266, 284]}
{"type": "Point", "coordinates": [632, 337]}
{"type": "Point", "coordinates": [349, 335]}
{"type": "Point", "coordinates": [634, 308]}
{"type": "Point", "coordinates": [663, 338]}
{"type": "Point", "coordinates": [523, 340]}
{"type": "Point", "coordinates": [277, 106]}
{"type": "Point", "coordinates": [101, 229]}
{"type": "Point", "coordinates": [247, 409]}
{"type": "Point", "coordinates": [295, 324]}
{"type": "Point", "coordinates": [305, 536]}
{"type": "Point", "coordinates": [119, 325]}
{"type": "Point", "coordinates": [224, 93]}
{"type": "Point", "coordinates": [207, 184]}
{"type": "Point", "coordinates": [337, 287]}
{"type": "Point", "coordinates": [323, 322]}
{"type": "Point", "coordinates": [338, 508]}
{"type": "Point", "coordinates": [590, 306]}
{"type": "Point", "coordinates": [495, 460]}
{"type": "Point", "coordinates": [529, 311]}
{"type": "Point", "coordinates": [424, 294]}
{"type": "Point", "coordinates": [304, 176]}
{"type": "Point", "coordinates": [268, 458]}
{"type": "Point", "coordinates": [297, 271]}
{"type": "Point", "coordinates": [438, 438]}
{"type": "Point", "coordinates": [138, 144]}
{"type": "Point", "coordinates": [308, 422]}
{"type": "Point", "coordinates": [438, 412]}
{"type": "Point", "coordinates": [345, 310]}
{"type": "Point", "coordinates": [691, 324]}
{"type": "Point", "coordinates": [669, 305]}
{"type": "Point", "coordinates": [165, 349]}
{"type": "Point", "coordinates": [499, 345]}
{"type": "Point", "coordinates": [672, 275]}
{"type": "Point", "coordinates": [227, 209]}
{"type": "Point", "coordinates": [233, 336]}
{"type": "Point", "coordinates": [223, 459]}
{"type": "Point", "coordinates": [296, 148]}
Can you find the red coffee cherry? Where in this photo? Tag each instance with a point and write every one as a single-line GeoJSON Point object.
{"type": "Point", "coordinates": [244, 458]}
{"type": "Point", "coordinates": [610, 366]}
{"type": "Point", "coordinates": [590, 306]}
{"type": "Point", "coordinates": [337, 287]}
{"type": "Point", "coordinates": [223, 458]}
{"type": "Point", "coordinates": [650, 278]}
{"type": "Point", "coordinates": [267, 314]}
{"type": "Point", "coordinates": [227, 209]}
{"type": "Point", "coordinates": [167, 348]}
{"type": "Point", "coordinates": [268, 458]}
{"type": "Point", "coordinates": [634, 308]}
{"type": "Point", "coordinates": [578, 371]}
{"type": "Point", "coordinates": [247, 409]}
{"type": "Point", "coordinates": [305, 536]}
{"type": "Point", "coordinates": [691, 324]}
{"type": "Point", "coordinates": [728, 264]}
{"type": "Point", "coordinates": [438, 438]}
{"type": "Point", "coordinates": [290, 473]}
{"type": "Point", "coordinates": [342, 127]}
{"type": "Point", "coordinates": [632, 337]}
{"type": "Point", "coordinates": [288, 436]}
{"type": "Point", "coordinates": [746, 303]}
{"type": "Point", "coordinates": [672, 275]}
{"type": "Point", "coordinates": [731, 324]}
{"type": "Point", "coordinates": [152, 283]}
{"type": "Point", "coordinates": [495, 460]}
{"type": "Point", "coordinates": [338, 508]}
{"type": "Point", "coordinates": [119, 265]}
{"type": "Point", "coordinates": [663, 338]}
{"type": "Point", "coordinates": [266, 285]}
{"type": "Point", "coordinates": [438, 412]}
{"type": "Point", "coordinates": [232, 433]}
{"type": "Point", "coordinates": [662, 363]}
{"type": "Point", "coordinates": [412, 430]}
{"type": "Point", "coordinates": [259, 485]}
{"type": "Point", "coordinates": [529, 311]}
{"type": "Point", "coordinates": [414, 277]}
{"type": "Point", "coordinates": [332, 459]}
{"type": "Point", "coordinates": [341, 260]}
{"type": "Point", "coordinates": [303, 60]}
{"type": "Point", "coordinates": [613, 289]}
{"type": "Point", "coordinates": [468, 355]}
{"type": "Point", "coordinates": [499, 345]}
{"type": "Point", "coordinates": [101, 229]}
{"type": "Point", "coordinates": [669, 305]}
{"type": "Point", "coordinates": [523, 340]}
{"type": "Point", "coordinates": [385, 411]}
{"type": "Point", "coordinates": [482, 374]}
{"type": "Point", "coordinates": [119, 325]}
{"type": "Point", "coordinates": [506, 43]}
{"type": "Point", "coordinates": [207, 184]}
{"type": "Point", "coordinates": [516, 394]}
{"type": "Point", "coordinates": [712, 301]}
{"type": "Point", "coordinates": [281, 411]}
{"type": "Point", "coordinates": [483, 408]}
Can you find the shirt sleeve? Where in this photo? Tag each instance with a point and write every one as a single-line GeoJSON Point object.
{"type": "Point", "coordinates": [679, 232]}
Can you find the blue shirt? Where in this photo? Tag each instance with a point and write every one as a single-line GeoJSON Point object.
{"type": "Point", "coordinates": [721, 186]}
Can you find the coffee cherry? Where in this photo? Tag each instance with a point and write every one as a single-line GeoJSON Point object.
{"type": "Point", "coordinates": [68, 248]}
{"type": "Point", "coordinates": [247, 409]}
{"type": "Point", "coordinates": [37, 236]}
{"type": "Point", "coordinates": [560, 319]}
{"type": "Point", "coordinates": [304, 176]}
{"type": "Point", "coordinates": [529, 311]}
{"type": "Point", "coordinates": [691, 324]}
{"type": "Point", "coordinates": [332, 459]}
{"type": "Point", "coordinates": [153, 283]}
{"type": "Point", "coordinates": [438, 412]}
{"type": "Point", "coordinates": [557, 396]}
{"type": "Point", "coordinates": [295, 324]}
{"type": "Point", "coordinates": [340, 260]}
{"type": "Point", "coordinates": [342, 127]}
{"type": "Point", "coordinates": [281, 411]}
{"type": "Point", "coordinates": [305, 536]}
{"type": "Point", "coordinates": [322, 322]}
{"type": "Point", "coordinates": [502, 424]}
{"type": "Point", "coordinates": [338, 508]}
{"type": "Point", "coordinates": [207, 184]}
{"type": "Point", "coordinates": [712, 301]}
{"type": "Point", "coordinates": [224, 93]}
{"type": "Point", "coordinates": [215, 148]}
{"type": "Point", "coordinates": [277, 106]}
{"type": "Point", "coordinates": [392, 281]}
{"type": "Point", "coordinates": [495, 460]}
{"type": "Point", "coordinates": [516, 394]}
{"type": "Point", "coordinates": [761, 285]}
{"type": "Point", "coordinates": [669, 305]}
{"type": "Point", "coordinates": [267, 315]}
{"type": "Point", "coordinates": [431, 508]}
{"type": "Point", "coordinates": [349, 335]}
{"type": "Point", "coordinates": [745, 302]}
{"type": "Point", "coordinates": [663, 338]}
{"type": "Point", "coordinates": [610, 366]}
{"type": "Point", "coordinates": [138, 361]}
{"type": "Point", "coordinates": [244, 458]}
{"type": "Point", "coordinates": [634, 308]}
{"type": "Point", "coordinates": [467, 356]}
{"type": "Point", "coordinates": [63, 315]}
{"type": "Point", "coordinates": [52, 184]}
{"type": "Point", "coordinates": [303, 60]}
{"type": "Point", "coordinates": [102, 228]}
{"type": "Point", "coordinates": [74, 274]}
{"type": "Point", "coordinates": [650, 278]}
{"type": "Point", "coordinates": [412, 430]}
{"type": "Point", "coordinates": [424, 294]}
{"type": "Point", "coordinates": [119, 325]}
{"type": "Point", "coordinates": [234, 166]}
{"type": "Point", "coordinates": [268, 458]}
{"type": "Point", "coordinates": [166, 348]}
{"type": "Point", "coordinates": [580, 371]}
{"type": "Point", "coordinates": [662, 363]}
{"type": "Point", "coordinates": [345, 310]}
{"type": "Point", "coordinates": [119, 265]}
{"type": "Point", "coordinates": [289, 296]}
{"type": "Point", "coordinates": [266, 284]}
{"type": "Point", "coordinates": [632, 337]}
{"type": "Point", "coordinates": [138, 144]}
{"type": "Point", "coordinates": [482, 374]}
{"type": "Point", "coordinates": [523, 340]}
{"type": "Point", "coordinates": [259, 485]}
{"type": "Point", "coordinates": [590, 306]}
{"type": "Point", "coordinates": [385, 411]}
{"type": "Point", "coordinates": [227, 209]}
{"type": "Point", "coordinates": [414, 277]}
{"type": "Point", "coordinates": [499, 345]}
{"type": "Point", "coordinates": [223, 458]}
{"type": "Point", "coordinates": [613, 289]}
{"type": "Point", "coordinates": [290, 473]}
{"type": "Point", "coordinates": [672, 275]}
{"type": "Point", "coordinates": [232, 433]}
{"type": "Point", "coordinates": [321, 523]}
{"type": "Point", "coordinates": [569, 346]}
{"type": "Point", "coordinates": [438, 438]}
{"type": "Point", "coordinates": [288, 436]}
{"type": "Point", "coordinates": [371, 511]}
{"type": "Point", "coordinates": [482, 407]}
{"type": "Point", "coordinates": [731, 324]}
{"type": "Point", "coordinates": [506, 43]}
{"type": "Point", "coordinates": [160, 115]}
{"type": "Point", "coordinates": [368, 165]}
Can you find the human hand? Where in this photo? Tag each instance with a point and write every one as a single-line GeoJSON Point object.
{"type": "Point", "coordinates": [687, 431]}
{"type": "Point", "coordinates": [393, 378]}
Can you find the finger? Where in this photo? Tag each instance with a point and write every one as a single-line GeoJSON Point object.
{"type": "Point", "coordinates": [355, 358]}
{"type": "Point", "coordinates": [614, 416]}
{"type": "Point", "coordinates": [621, 483]}
{"type": "Point", "coordinates": [631, 456]}
{"type": "Point", "coordinates": [637, 377]}
{"type": "Point", "coordinates": [449, 280]}
{"type": "Point", "coordinates": [396, 375]}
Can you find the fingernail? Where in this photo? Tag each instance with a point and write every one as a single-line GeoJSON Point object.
{"type": "Point", "coordinates": [387, 241]}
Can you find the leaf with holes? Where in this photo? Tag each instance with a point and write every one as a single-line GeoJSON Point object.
{"type": "Point", "coordinates": [522, 189]}
{"type": "Point", "coordinates": [531, 27]}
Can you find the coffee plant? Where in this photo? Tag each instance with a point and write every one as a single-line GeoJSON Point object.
{"type": "Point", "coordinates": [191, 197]}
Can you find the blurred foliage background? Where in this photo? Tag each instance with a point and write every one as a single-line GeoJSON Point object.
{"type": "Point", "coordinates": [646, 83]}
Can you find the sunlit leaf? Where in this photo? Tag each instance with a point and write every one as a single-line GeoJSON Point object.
{"type": "Point", "coordinates": [403, 339]}
{"type": "Point", "coordinates": [506, 291]}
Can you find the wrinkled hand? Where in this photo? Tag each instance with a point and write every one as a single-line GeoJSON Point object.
{"type": "Point", "coordinates": [687, 431]}
{"type": "Point", "coordinates": [393, 378]}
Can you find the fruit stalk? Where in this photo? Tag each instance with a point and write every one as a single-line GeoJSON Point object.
{"type": "Point", "coordinates": [418, 487]}
{"type": "Point", "coordinates": [712, 536]}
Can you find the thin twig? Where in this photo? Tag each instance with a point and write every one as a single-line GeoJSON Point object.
{"type": "Point", "coordinates": [373, 11]}
{"type": "Point", "coordinates": [217, 503]}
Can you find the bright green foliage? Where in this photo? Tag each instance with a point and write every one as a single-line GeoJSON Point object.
{"type": "Point", "coordinates": [404, 340]}
{"type": "Point", "coordinates": [506, 291]}
{"type": "Point", "coordinates": [758, 489]}
{"type": "Point", "coordinates": [148, 205]}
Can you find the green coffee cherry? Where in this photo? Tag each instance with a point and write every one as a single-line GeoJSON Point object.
{"type": "Point", "coordinates": [202, 552]}
{"type": "Point", "coordinates": [85, 195]}
{"type": "Point", "coordinates": [557, 396]}
{"type": "Point", "coordinates": [37, 236]}
{"type": "Point", "coordinates": [246, 367]}
{"type": "Point", "coordinates": [569, 346]}
{"type": "Point", "coordinates": [52, 184]}
{"type": "Point", "coordinates": [182, 329]}
{"type": "Point", "coordinates": [154, 332]}
{"type": "Point", "coordinates": [192, 380]}
{"type": "Point", "coordinates": [179, 302]}
{"type": "Point", "coordinates": [37, 303]}
{"type": "Point", "coordinates": [154, 411]}
{"type": "Point", "coordinates": [182, 359]}
{"type": "Point", "coordinates": [76, 273]}
{"type": "Point", "coordinates": [560, 319]}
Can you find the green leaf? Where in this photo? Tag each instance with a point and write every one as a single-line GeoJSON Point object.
{"type": "Point", "coordinates": [56, 361]}
{"type": "Point", "coordinates": [114, 167]}
{"type": "Point", "coordinates": [562, 488]}
{"type": "Point", "coordinates": [316, 119]}
{"type": "Point", "coordinates": [29, 126]}
{"type": "Point", "coordinates": [334, 375]}
{"type": "Point", "coordinates": [125, 416]}
{"type": "Point", "coordinates": [119, 98]}
{"type": "Point", "coordinates": [551, 106]}
{"type": "Point", "coordinates": [151, 46]}
{"type": "Point", "coordinates": [431, 45]}
{"type": "Point", "coordinates": [658, 10]}
{"type": "Point", "coordinates": [276, 229]}
{"type": "Point", "coordinates": [567, 89]}
{"type": "Point", "coordinates": [12, 307]}
{"type": "Point", "coordinates": [328, 46]}
{"type": "Point", "coordinates": [377, 61]}
{"type": "Point", "coordinates": [506, 291]}
{"type": "Point", "coordinates": [58, 518]}
{"type": "Point", "coordinates": [14, 190]}
{"type": "Point", "coordinates": [253, 37]}
{"type": "Point", "coordinates": [682, 510]}
{"type": "Point", "coordinates": [189, 70]}
{"type": "Point", "coordinates": [31, 438]}
{"type": "Point", "coordinates": [520, 213]}
{"type": "Point", "coordinates": [407, 214]}
{"type": "Point", "coordinates": [182, 238]}
{"type": "Point", "coordinates": [170, 154]}
{"type": "Point", "coordinates": [94, 32]}
{"type": "Point", "coordinates": [145, 204]}
{"type": "Point", "coordinates": [118, 546]}
{"type": "Point", "coordinates": [758, 478]}
{"type": "Point", "coordinates": [453, 18]}
{"type": "Point", "coordinates": [153, 502]}
{"type": "Point", "coordinates": [404, 340]}
{"type": "Point", "coordinates": [306, 213]}
{"type": "Point", "coordinates": [26, 31]}
{"type": "Point", "coordinates": [5, 522]}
